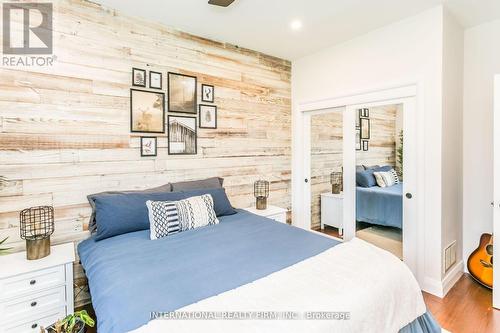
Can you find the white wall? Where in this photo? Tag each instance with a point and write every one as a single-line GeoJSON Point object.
{"type": "Point", "coordinates": [481, 62]}
{"type": "Point", "coordinates": [407, 52]}
{"type": "Point", "coordinates": [453, 50]}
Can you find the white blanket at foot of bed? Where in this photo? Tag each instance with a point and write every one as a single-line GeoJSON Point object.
{"type": "Point", "coordinates": [377, 290]}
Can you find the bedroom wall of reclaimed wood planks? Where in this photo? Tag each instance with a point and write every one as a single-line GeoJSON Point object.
{"type": "Point", "coordinates": [65, 131]}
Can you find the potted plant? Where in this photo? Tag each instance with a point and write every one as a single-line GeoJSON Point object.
{"type": "Point", "coordinates": [4, 250]}
{"type": "Point", "coordinates": [74, 323]}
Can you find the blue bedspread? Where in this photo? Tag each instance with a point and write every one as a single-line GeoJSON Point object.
{"type": "Point", "coordinates": [130, 275]}
{"type": "Point", "coordinates": [380, 205]}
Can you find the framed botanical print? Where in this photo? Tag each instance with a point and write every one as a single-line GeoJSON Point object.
{"type": "Point", "coordinates": [149, 145]}
{"type": "Point", "coordinates": [207, 116]}
{"type": "Point", "coordinates": [138, 77]}
{"type": "Point", "coordinates": [155, 80]}
{"type": "Point", "coordinates": [182, 137]}
{"type": "Point", "coordinates": [207, 93]}
{"type": "Point", "coordinates": [181, 93]}
{"type": "Point", "coordinates": [365, 128]}
{"type": "Point", "coordinates": [365, 145]}
{"type": "Point", "coordinates": [147, 111]}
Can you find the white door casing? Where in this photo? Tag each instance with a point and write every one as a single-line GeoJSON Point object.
{"type": "Point", "coordinates": [406, 95]}
{"type": "Point", "coordinates": [496, 192]}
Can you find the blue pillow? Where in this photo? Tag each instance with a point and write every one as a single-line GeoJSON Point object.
{"type": "Point", "coordinates": [367, 179]}
{"type": "Point", "coordinates": [222, 206]}
{"type": "Point", "coordinates": [122, 213]}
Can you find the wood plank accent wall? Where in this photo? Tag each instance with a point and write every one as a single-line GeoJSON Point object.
{"type": "Point", "coordinates": [65, 131]}
{"type": "Point", "coordinates": [326, 150]}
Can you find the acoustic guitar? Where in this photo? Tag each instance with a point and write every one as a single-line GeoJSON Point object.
{"type": "Point", "coordinates": [480, 262]}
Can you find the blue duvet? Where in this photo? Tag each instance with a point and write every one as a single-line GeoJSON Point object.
{"type": "Point", "coordinates": [130, 275]}
{"type": "Point", "coordinates": [380, 205]}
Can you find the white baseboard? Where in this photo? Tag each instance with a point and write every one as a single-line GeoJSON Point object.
{"type": "Point", "coordinates": [452, 277]}
{"type": "Point", "coordinates": [441, 288]}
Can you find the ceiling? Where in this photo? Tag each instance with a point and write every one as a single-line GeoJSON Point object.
{"type": "Point", "coordinates": [264, 25]}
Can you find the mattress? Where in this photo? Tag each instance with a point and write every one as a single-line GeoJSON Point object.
{"type": "Point", "coordinates": [131, 276]}
{"type": "Point", "coordinates": [380, 205]}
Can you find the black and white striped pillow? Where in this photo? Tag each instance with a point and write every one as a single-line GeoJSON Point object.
{"type": "Point", "coordinates": [386, 178]}
{"type": "Point", "coordinates": [170, 217]}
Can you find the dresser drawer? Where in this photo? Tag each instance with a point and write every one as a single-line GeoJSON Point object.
{"type": "Point", "coordinates": [32, 325]}
{"type": "Point", "coordinates": [31, 282]}
{"type": "Point", "coordinates": [29, 306]}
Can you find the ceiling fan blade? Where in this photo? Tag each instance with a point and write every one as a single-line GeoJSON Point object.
{"type": "Point", "coordinates": [222, 3]}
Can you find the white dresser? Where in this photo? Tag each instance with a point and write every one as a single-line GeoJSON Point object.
{"type": "Point", "coordinates": [332, 212]}
{"type": "Point", "coordinates": [35, 293]}
{"type": "Point", "coordinates": [272, 212]}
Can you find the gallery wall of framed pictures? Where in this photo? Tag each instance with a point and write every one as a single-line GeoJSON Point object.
{"type": "Point", "coordinates": [148, 110]}
{"type": "Point", "coordinates": [363, 129]}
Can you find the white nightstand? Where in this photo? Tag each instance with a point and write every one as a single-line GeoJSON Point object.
{"type": "Point", "coordinates": [36, 293]}
{"type": "Point", "coordinates": [332, 212]}
{"type": "Point", "coordinates": [272, 212]}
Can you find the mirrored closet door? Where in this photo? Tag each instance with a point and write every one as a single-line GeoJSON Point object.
{"type": "Point", "coordinates": [379, 176]}
{"type": "Point", "coordinates": [326, 175]}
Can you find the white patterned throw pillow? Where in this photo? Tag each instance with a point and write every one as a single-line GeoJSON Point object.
{"type": "Point", "coordinates": [386, 178]}
{"type": "Point", "coordinates": [170, 217]}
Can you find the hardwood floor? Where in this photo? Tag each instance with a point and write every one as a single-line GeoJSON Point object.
{"type": "Point", "coordinates": [465, 309]}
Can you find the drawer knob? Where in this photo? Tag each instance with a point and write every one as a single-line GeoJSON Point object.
{"type": "Point", "coordinates": [34, 326]}
{"type": "Point", "coordinates": [34, 303]}
{"type": "Point", "coordinates": [32, 282]}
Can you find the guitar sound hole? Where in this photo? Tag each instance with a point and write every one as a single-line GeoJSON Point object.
{"type": "Point", "coordinates": [489, 249]}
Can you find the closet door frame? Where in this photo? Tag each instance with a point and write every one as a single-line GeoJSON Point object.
{"type": "Point", "coordinates": [413, 251]}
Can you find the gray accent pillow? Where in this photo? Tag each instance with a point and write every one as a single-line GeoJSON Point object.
{"type": "Point", "coordinates": [371, 167]}
{"type": "Point", "coordinates": [360, 168]}
{"type": "Point", "coordinates": [91, 198]}
{"type": "Point", "coordinates": [214, 182]}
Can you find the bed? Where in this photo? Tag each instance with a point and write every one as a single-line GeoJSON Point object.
{"type": "Point", "coordinates": [131, 276]}
{"type": "Point", "coordinates": [380, 205]}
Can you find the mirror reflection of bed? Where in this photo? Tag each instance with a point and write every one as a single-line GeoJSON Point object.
{"type": "Point", "coordinates": [379, 177]}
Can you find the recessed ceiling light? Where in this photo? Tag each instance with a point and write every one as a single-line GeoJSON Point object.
{"type": "Point", "coordinates": [296, 25]}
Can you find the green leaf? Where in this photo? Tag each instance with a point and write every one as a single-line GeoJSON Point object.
{"type": "Point", "coordinates": [4, 249]}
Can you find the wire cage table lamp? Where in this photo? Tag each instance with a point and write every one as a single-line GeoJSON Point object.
{"type": "Point", "coordinates": [261, 193]}
{"type": "Point", "coordinates": [36, 226]}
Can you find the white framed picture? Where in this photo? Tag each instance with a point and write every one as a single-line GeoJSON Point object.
{"type": "Point", "coordinates": [149, 145]}
{"type": "Point", "coordinates": [155, 80]}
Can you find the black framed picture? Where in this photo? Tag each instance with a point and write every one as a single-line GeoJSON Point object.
{"type": "Point", "coordinates": [365, 145]}
{"type": "Point", "coordinates": [149, 145]}
{"type": "Point", "coordinates": [365, 128]}
{"type": "Point", "coordinates": [358, 139]}
{"type": "Point", "coordinates": [364, 113]}
{"type": "Point", "coordinates": [207, 116]}
{"type": "Point", "coordinates": [182, 136]}
{"type": "Point", "coordinates": [207, 93]}
{"type": "Point", "coordinates": [138, 77]}
{"type": "Point", "coordinates": [182, 93]}
{"type": "Point", "coordinates": [147, 111]}
{"type": "Point", "coordinates": [155, 80]}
